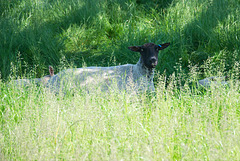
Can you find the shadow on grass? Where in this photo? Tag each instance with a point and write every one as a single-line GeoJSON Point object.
{"type": "Point", "coordinates": [189, 44]}
{"type": "Point", "coordinates": [38, 44]}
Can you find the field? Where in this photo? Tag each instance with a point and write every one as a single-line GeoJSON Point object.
{"type": "Point", "coordinates": [180, 121]}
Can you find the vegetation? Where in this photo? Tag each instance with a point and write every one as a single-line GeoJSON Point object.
{"type": "Point", "coordinates": [38, 33]}
{"type": "Point", "coordinates": [178, 122]}
{"type": "Point", "coordinates": [173, 124]}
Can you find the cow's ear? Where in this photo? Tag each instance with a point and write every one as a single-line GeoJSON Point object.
{"type": "Point", "coordinates": [135, 48]}
{"type": "Point", "coordinates": [163, 46]}
{"type": "Point", "coordinates": [51, 71]}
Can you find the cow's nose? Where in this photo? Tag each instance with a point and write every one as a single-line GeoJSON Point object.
{"type": "Point", "coordinates": [153, 60]}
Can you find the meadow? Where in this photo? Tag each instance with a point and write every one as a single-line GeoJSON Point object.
{"type": "Point", "coordinates": [180, 121]}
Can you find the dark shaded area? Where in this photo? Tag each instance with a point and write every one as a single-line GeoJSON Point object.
{"type": "Point", "coordinates": [29, 48]}
{"type": "Point", "coordinates": [34, 43]}
{"type": "Point", "coordinates": [197, 35]}
{"type": "Point", "coordinates": [156, 4]}
{"type": "Point", "coordinates": [200, 32]}
{"type": "Point", "coordinates": [7, 5]}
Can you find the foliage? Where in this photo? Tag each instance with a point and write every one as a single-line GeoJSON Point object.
{"type": "Point", "coordinates": [181, 121]}
{"type": "Point", "coordinates": [42, 32]}
{"type": "Point", "coordinates": [186, 123]}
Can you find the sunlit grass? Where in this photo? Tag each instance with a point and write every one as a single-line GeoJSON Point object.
{"type": "Point", "coordinates": [181, 121]}
{"type": "Point", "coordinates": [172, 124]}
{"type": "Point", "coordinates": [99, 32]}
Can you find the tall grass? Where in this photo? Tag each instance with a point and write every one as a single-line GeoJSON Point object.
{"type": "Point", "coordinates": [175, 123]}
{"type": "Point", "coordinates": [99, 32]}
{"type": "Point", "coordinates": [179, 122]}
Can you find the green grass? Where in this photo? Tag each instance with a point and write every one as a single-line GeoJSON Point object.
{"type": "Point", "coordinates": [42, 32]}
{"type": "Point", "coordinates": [175, 123]}
{"type": "Point", "coordinates": [178, 122]}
